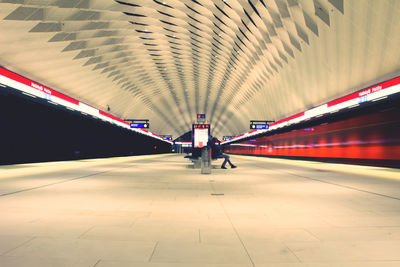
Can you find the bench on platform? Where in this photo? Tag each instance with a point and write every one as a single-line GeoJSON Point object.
{"type": "Point", "coordinates": [196, 160]}
{"type": "Point", "coordinates": [203, 161]}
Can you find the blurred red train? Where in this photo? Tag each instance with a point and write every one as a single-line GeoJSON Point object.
{"type": "Point", "coordinates": [372, 139]}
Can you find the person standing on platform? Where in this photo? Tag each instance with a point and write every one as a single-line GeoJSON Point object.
{"type": "Point", "coordinates": [216, 152]}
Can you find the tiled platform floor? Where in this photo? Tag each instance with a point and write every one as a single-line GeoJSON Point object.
{"type": "Point", "coordinates": [156, 211]}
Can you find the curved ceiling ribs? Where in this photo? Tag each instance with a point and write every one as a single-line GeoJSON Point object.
{"type": "Point", "coordinates": [172, 59]}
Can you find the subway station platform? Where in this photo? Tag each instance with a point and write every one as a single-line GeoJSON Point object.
{"type": "Point", "coordinates": [158, 211]}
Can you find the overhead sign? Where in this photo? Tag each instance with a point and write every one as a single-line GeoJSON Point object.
{"type": "Point", "coordinates": [201, 117]}
{"type": "Point", "coordinates": [139, 125]}
{"type": "Point", "coordinates": [200, 135]}
{"type": "Point", "coordinates": [167, 137]}
{"type": "Point", "coordinates": [259, 126]}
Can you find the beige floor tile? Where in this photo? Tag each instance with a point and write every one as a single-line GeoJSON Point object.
{"type": "Point", "coordinates": [334, 264]}
{"type": "Point", "coordinates": [200, 253]}
{"type": "Point", "coordinates": [166, 264]}
{"type": "Point", "coordinates": [337, 251]}
{"type": "Point", "coordinates": [363, 221]}
{"type": "Point", "coordinates": [356, 233]}
{"type": "Point", "coordinates": [262, 233]}
{"type": "Point", "coordinates": [38, 261]}
{"type": "Point", "coordinates": [148, 233]}
{"type": "Point", "coordinates": [11, 242]}
{"type": "Point", "coordinates": [154, 211]}
{"type": "Point", "coordinates": [85, 249]}
{"type": "Point", "coordinates": [269, 251]}
{"type": "Point", "coordinates": [37, 229]}
{"type": "Point", "coordinates": [218, 234]}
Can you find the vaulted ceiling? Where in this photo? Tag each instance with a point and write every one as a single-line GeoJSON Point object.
{"type": "Point", "coordinates": [235, 60]}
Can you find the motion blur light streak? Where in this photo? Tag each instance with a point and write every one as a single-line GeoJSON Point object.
{"type": "Point", "coordinates": [371, 139]}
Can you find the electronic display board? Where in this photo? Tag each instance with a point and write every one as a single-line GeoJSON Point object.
{"type": "Point", "coordinates": [200, 135]}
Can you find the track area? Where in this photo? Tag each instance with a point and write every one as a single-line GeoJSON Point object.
{"type": "Point", "coordinates": [159, 211]}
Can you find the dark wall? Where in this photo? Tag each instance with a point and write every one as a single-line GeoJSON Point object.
{"type": "Point", "coordinates": [34, 130]}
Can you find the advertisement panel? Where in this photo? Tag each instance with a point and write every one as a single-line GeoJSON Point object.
{"type": "Point", "coordinates": [200, 135]}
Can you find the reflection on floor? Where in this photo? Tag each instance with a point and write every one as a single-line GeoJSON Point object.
{"type": "Point", "coordinates": [155, 211]}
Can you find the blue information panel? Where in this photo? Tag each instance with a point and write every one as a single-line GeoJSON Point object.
{"type": "Point", "coordinates": [259, 126]}
{"type": "Point", "coordinates": [139, 125]}
{"type": "Point", "coordinates": [168, 138]}
{"type": "Point", "coordinates": [201, 118]}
